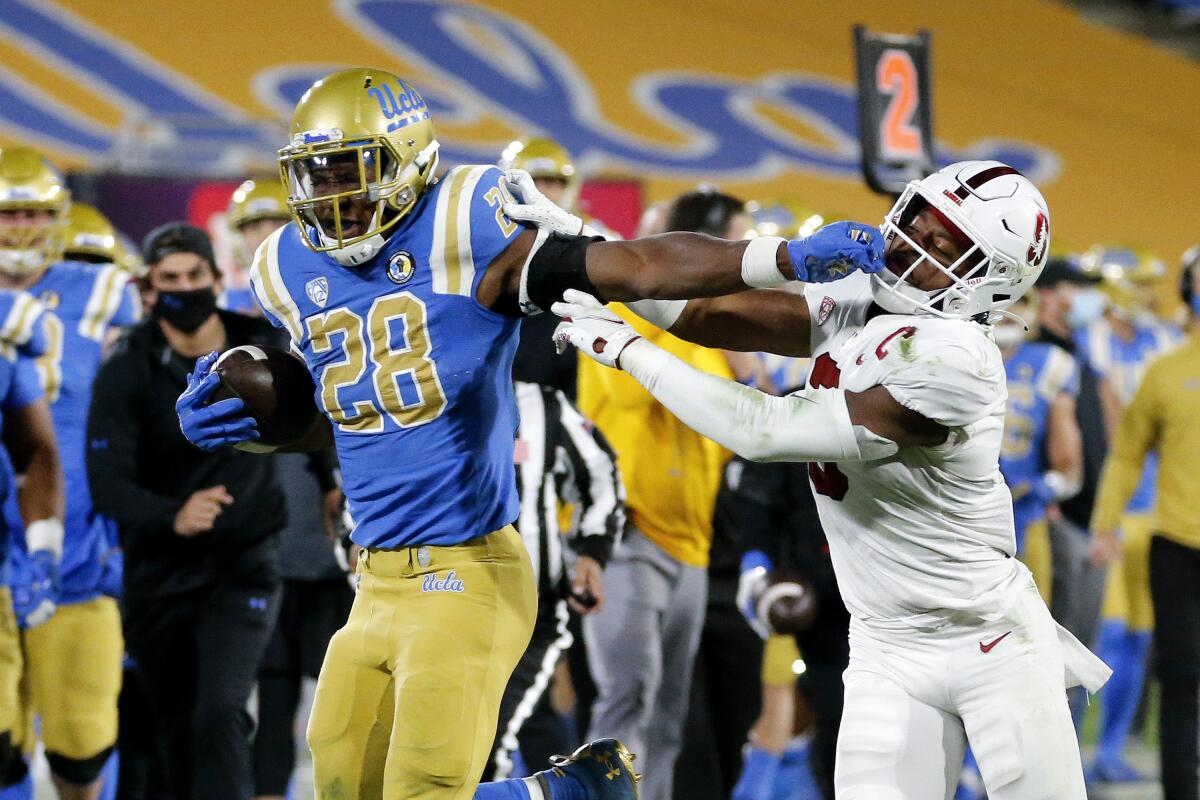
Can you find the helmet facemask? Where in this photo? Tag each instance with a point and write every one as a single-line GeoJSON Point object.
{"type": "Point", "coordinates": [28, 248]}
{"type": "Point", "coordinates": [980, 280]}
{"type": "Point", "coordinates": [326, 179]}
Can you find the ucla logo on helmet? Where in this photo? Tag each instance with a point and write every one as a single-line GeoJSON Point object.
{"type": "Point", "coordinates": [400, 268]}
{"type": "Point", "coordinates": [401, 108]}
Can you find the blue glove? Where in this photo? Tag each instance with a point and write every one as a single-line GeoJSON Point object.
{"type": "Point", "coordinates": [751, 583]}
{"type": "Point", "coordinates": [35, 587]}
{"type": "Point", "coordinates": [211, 427]}
{"type": "Point", "coordinates": [835, 251]}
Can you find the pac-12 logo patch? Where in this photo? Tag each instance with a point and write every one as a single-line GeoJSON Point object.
{"type": "Point", "coordinates": [318, 291]}
{"type": "Point", "coordinates": [827, 306]}
{"type": "Point", "coordinates": [401, 267]}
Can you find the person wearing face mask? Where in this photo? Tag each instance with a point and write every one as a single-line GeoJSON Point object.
{"type": "Point", "coordinates": [1068, 300]}
{"type": "Point", "coordinates": [199, 529]}
{"type": "Point", "coordinates": [1161, 419]}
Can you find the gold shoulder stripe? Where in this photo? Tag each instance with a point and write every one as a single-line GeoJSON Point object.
{"type": "Point", "coordinates": [18, 325]}
{"type": "Point", "coordinates": [462, 229]}
{"type": "Point", "coordinates": [444, 265]}
{"type": "Point", "coordinates": [269, 288]}
{"type": "Point", "coordinates": [103, 303]}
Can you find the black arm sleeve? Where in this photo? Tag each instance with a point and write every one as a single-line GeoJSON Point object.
{"type": "Point", "coordinates": [114, 425]}
{"type": "Point", "coordinates": [555, 265]}
{"type": "Point", "coordinates": [324, 467]}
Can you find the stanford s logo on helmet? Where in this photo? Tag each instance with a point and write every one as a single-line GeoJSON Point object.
{"type": "Point", "coordinates": [1006, 223]}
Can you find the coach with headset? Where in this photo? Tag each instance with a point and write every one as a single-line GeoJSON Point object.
{"type": "Point", "coordinates": [1163, 418]}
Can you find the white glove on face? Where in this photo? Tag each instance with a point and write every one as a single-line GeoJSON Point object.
{"type": "Point", "coordinates": [597, 332]}
{"type": "Point", "coordinates": [537, 209]}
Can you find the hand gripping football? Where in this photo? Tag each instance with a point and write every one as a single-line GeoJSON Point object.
{"type": "Point", "coordinates": [788, 604]}
{"type": "Point", "coordinates": [277, 391]}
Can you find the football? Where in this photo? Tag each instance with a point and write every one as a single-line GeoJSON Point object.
{"type": "Point", "coordinates": [788, 604]}
{"type": "Point", "coordinates": [277, 391]}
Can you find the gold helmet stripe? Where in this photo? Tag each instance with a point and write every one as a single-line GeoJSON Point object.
{"type": "Point", "coordinates": [269, 287]}
{"type": "Point", "coordinates": [18, 326]}
{"type": "Point", "coordinates": [107, 292]}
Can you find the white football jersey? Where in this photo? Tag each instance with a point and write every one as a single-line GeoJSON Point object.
{"type": "Point", "coordinates": [928, 530]}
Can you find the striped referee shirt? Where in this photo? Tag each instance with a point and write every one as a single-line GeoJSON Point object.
{"type": "Point", "coordinates": [561, 458]}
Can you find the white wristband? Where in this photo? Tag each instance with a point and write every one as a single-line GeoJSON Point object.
{"type": "Point", "coordinates": [45, 534]}
{"type": "Point", "coordinates": [660, 313]}
{"type": "Point", "coordinates": [759, 267]}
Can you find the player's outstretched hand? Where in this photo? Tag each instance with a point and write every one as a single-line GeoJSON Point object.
{"type": "Point", "coordinates": [537, 209]}
{"type": "Point", "coordinates": [752, 582]}
{"type": "Point", "coordinates": [835, 251]}
{"type": "Point", "coordinates": [211, 427]}
{"type": "Point", "coordinates": [597, 332]}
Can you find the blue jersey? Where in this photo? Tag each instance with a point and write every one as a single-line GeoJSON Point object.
{"type": "Point", "coordinates": [412, 372]}
{"type": "Point", "coordinates": [1037, 374]}
{"type": "Point", "coordinates": [1123, 364]}
{"type": "Point", "coordinates": [84, 301]}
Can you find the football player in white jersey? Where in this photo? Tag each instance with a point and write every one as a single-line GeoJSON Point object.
{"type": "Point", "coordinates": [902, 424]}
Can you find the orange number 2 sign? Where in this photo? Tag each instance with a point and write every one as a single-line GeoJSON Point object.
{"type": "Point", "coordinates": [896, 75]}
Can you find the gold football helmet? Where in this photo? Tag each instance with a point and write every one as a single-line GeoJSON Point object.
{"type": "Point", "coordinates": [790, 219]}
{"type": "Point", "coordinates": [544, 159]}
{"type": "Point", "coordinates": [255, 201]}
{"type": "Point", "coordinates": [1129, 277]}
{"type": "Point", "coordinates": [540, 157]}
{"type": "Point", "coordinates": [30, 241]}
{"type": "Point", "coordinates": [363, 150]}
{"type": "Point", "coordinates": [89, 236]}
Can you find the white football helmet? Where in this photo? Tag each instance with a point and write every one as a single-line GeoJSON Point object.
{"type": "Point", "coordinates": [1007, 222]}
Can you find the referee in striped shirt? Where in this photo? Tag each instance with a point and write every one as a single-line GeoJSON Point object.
{"type": "Point", "coordinates": [561, 460]}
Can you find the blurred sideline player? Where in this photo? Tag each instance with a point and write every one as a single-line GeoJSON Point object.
{"type": "Point", "coordinates": [785, 556]}
{"type": "Point", "coordinates": [950, 640]}
{"type": "Point", "coordinates": [1120, 347]}
{"type": "Point", "coordinates": [403, 296]}
{"type": "Point", "coordinates": [257, 209]}
{"type": "Point", "coordinates": [37, 507]}
{"type": "Point", "coordinates": [1042, 455]}
{"type": "Point", "coordinates": [69, 618]}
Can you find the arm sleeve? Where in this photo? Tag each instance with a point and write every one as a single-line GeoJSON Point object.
{"type": "Point", "coordinates": [597, 482]}
{"type": "Point", "coordinates": [810, 425]}
{"type": "Point", "coordinates": [324, 466]}
{"type": "Point", "coordinates": [1136, 435]}
{"type": "Point", "coordinates": [114, 425]}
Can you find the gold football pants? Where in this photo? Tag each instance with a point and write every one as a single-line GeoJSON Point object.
{"type": "Point", "coordinates": [10, 666]}
{"type": "Point", "coordinates": [409, 694]}
{"type": "Point", "coordinates": [1127, 589]}
{"type": "Point", "coordinates": [73, 677]}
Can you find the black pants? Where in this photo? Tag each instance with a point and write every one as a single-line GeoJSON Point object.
{"type": "Point", "coordinates": [725, 701]}
{"type": "Point", "coordinates": [1174, 578]}
{"type": "Point", "coordinates": [143, 762]}
{"type": "Point", "coordinates": [198, 654]}
{"type": "Point", "coordinates": [310, 612]}
{"type": "Point", "coordinates": [527, 721]}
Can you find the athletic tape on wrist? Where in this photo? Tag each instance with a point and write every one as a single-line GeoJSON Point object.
{"type": "Point", "coordinates": [760, 268]}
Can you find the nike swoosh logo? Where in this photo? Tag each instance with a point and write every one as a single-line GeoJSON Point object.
{"type": "Point", "coordinates": [987, 648]}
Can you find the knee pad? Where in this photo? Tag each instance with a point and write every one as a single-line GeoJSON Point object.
{"type": "Point", "coordinates": [81, 771]}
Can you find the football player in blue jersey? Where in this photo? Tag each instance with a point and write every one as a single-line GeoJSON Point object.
{"type": "Point", "coordinates": [37, 508]}
{"type": "Point", "coordinates": [1119, 347]}
{"type": "Point", "coordinates": [59, 586]}
{"type": "Point", "coordinates": [403, 294]}
{"type": "Point", "coordinates": [1042, 456]}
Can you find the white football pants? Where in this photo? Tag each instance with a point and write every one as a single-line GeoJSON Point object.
{"type": "Point", "coordinates": [914, 698]}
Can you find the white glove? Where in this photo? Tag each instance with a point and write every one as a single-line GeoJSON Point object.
{"type": "Point", "coordinates": [539, 210]}
{"type": "Point", "coordinates": [597, 332]}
